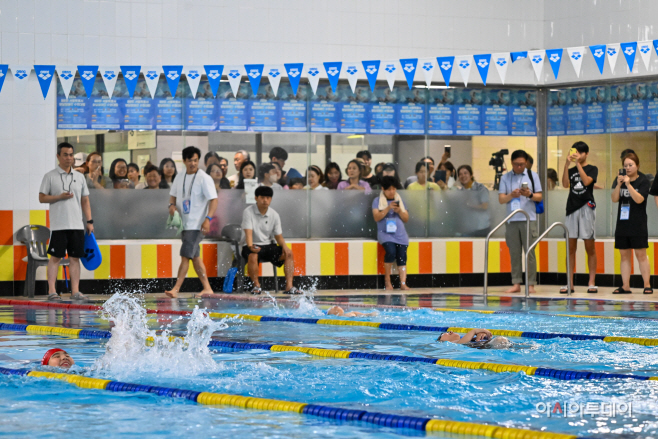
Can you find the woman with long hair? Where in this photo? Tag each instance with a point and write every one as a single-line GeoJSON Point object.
{"type": "Point", "coordinates": [215, 172]}
{"type": "Point", "coordinates": [354, 182]}
{"type": "Point", "coordinates": [333, 176]}
{"type": "Point", "coordinates": [119, 174]}
{"type": "Point", "coordinates": [94, 175]}
{"type": "Point", "coordinates": [247, 171]}
{"type": "Point", "coordinates": [167, 172]}
{"type": "Point", "coordinates": [314, 178]}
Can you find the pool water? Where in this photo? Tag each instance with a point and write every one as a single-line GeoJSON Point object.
{"type": "Point", "coordinates": [36, 407]}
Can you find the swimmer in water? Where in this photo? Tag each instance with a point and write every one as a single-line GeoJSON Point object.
{"type": "Point", "coordinates": [57, 358]}
{"type": "Point", "coordinates": [340, 312]}
{"type": "Point", "coordinates": [479, 338]}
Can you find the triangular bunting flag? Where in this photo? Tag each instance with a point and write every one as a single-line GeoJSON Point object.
{"type": "Point", "coordinates": [214, 75]}
{"type": "Point", "coordinates": [88, 78]}
{"type": "Point", "coordinates": [294, 72]}
{"type": "Point", "coordinates": [464, 64]}
{"type": "Point", "coordinates": [372, 69]}
{"type": "Point", "coordinates": [254, 73]}
{"type": "Point", "coordinates": [598, 53]}
{"type": "Point", "coordinates": [313, 75]}
{"type": "Point", "coordinates": [274, 75]}
{"type": "Point", "coordinates": [518, 55]}
{"type": "Point", "coordinates": [445, 64]}
{"type": "Point", "coordinates": [613, 52]}
{"type": "Point", "coordinates": [45, 77]}
{"type": "Point", "coordinates": [172, 75]}
{"type": "Point", "coordinates": [352, 70]}
{"type": "Point", "coordinates": [655, 45]}
{"type": "Point", "coordinates": [109, 75]}
{"type": "Point", "coordinates": [644, 47]}
{"type": "Point", "coordinates": [152, 77]}
{"type": "Point", "coordinates": [391, 71]}
{"type": "Point", "coordinates": [193, 76]}
{"type": "Point", "coordinates": [3, 74]}
{"type": "Point", "coordinates": [537, 61]}
{"type": "Point", "coordinates": [409, 70]}
{"type": "Point", "coordinates": [234, 74]}
{"type": "Point", "coordinates": [629, 49]}
{"type": "Point", "coordinates": [21, 75]}
{"type": "Point", "coordinates": [66, 76]}
{"type": "Point", "coordinates": [576, 57]}
{"type": "Point", "coordinates": [130, 77]}
{"type": "Point", "coordinates": [555, 59]}
{"type": "Point", "coordinates": [482, 62]}
{"type": "Point", "coordinates": [333, 73]}
{"type": "Point", "coordinates": [501, 60]}
{"type": "Point", "coordinates": [428, 70]}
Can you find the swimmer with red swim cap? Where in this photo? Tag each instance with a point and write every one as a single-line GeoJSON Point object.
{"type": "Point", "coordinates": [57, 358]}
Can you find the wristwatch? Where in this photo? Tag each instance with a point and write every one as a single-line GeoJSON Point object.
{"type": "Point", "coordinates": [91, 221]}
{"type": "Point", "coordinates": [170, 204]}
{"type": "Point", "coordinates": [532, 194]}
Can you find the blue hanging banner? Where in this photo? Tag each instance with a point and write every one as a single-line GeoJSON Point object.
{"type": "Point", "coordinates": [44, 75]}
{"type": "Point", "coordinates": [445, 65]}
{"type": "Point", "coordinates": [3, 74]}
{"type": "Point", "coordinates": [333, 73]}
{"type": "Point", "coordinates": [518, 55]}
{"type": "Point", "coordinates": [482, 62]}
{"type": "Point", "coordinates": [214, 75]}
{"type": "Point", "coordinates": [555, 58]}
{"type": "Point", "coordinates": [255, 73]}
{"type": "Point", "coordinates": [130, 77]}
{"type": "Point", "coordinates": [372, 69]}
{"type": "Point", "coordinates": [409, 69]}
{"type": "Point", "coordinates": [629, 49]}
{"type": "Point", "coordinates": [88, 78]}
{"type": "Point", "coordinates": [598, 52]}
{"type": "Point", "coordinates": [172, 73]}
{"type": "Point", "coordinates": [294, 72]}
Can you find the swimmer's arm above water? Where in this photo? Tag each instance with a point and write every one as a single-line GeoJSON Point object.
{"type": "Point", "coordinates": [360, 314]}
{"type": "Point", "coordinates": [478, 333]}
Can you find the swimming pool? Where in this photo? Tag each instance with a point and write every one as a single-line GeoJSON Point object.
{"type": "Point", "coordinates": [414, 389]}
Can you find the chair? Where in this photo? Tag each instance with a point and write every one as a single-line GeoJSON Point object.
{"type": "Point", "coordinates": [233, 234]}
{"type": "Point", "coordinates": [35, 239]}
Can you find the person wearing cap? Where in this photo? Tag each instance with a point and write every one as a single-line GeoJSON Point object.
{"type": "Point", "coordinates": [478, 338]}
{"type": "Point", "coordinates": [57, 358]}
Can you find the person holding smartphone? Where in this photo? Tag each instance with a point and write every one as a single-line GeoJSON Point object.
{"type": "Point", "coordinates": [631, 190]}
{"type": "Point", "coordinates": [581, 210]}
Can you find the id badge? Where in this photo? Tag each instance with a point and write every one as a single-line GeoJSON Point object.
{"type": "Point", "coordinates": [625, 211]}
{"type": "Point", "coordinates": [391, 226]}
{"type": "Point", "coordinates": [186, 206]}
{"type": "Point", "coordinates": [516, 204]}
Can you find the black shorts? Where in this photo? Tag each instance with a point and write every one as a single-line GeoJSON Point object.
{"type": "Point", "coordinates": [268, 253]}
{"type": "Point", "coordinates": [67, 241]}
{"type": "Point", "coordinates": [631, 242]}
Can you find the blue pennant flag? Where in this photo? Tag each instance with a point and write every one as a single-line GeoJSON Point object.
{"type": "Point", "coordinates": [333, 72]}
{"type": "Point", "coordinates": [629, 49]}
{"type": "Point", "coordinates": [44, 75]}
{"type": "Point", "coordinates": [255, 73]}
{"type": "Point", "coordinates": [372, 69]}
{"type": "Point", "coordinates": [172, 73]}
{"type": "Point", "coordinates": [598, 53]}
{"type": "Point", "coordinates": [518, 55]}
{"type": "Point", "coordinates": [130, 77]}
{"type": "Point", "coordinates": [655, 46]}
{"type": "Point", "coordinates": [88, 77]}
{"type": "Point", "coordinates": [482, 62]}
{"type": "Point", "coordinates": [3, 74]}
{"type": "Point", "coordinates": [555, 58]}
{"type": "Point", "coordinates": [294, 72]}
{"type": "Point", "coordinates": [409, 69]}
{"type": "Point", "coordinates": [445, 65]}
{"type": "Point", "coordinates": [214, 75]}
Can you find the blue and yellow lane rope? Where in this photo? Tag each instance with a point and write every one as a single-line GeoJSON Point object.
{"type": "Point", "coordinates": [560, 374]}
{"type": "Point", "coordinates": [327, 412]}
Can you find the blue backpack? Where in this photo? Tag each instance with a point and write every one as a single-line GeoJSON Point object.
{"type": "Point", "coordinates": [229, 279]}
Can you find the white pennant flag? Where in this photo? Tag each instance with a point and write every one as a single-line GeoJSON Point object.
{"type": "Point", "coordinates": [427, 65]}
{"type": "Point", "coordinates": [644, 47]}
{"type": "Point", "coordinates": [66, 76]}
{"type": "Point", "coordinates": [464, 64]}
{"type": "Point", "coordinates": [109, 75]}
{"type": "Point", "coordinates": [576, 56]}
{"type": "Point", "coordinates": [234, 74]}
{"type": "Point", "coordinates": [193, 75]}
{"type": "Point", "coordinates": [352, 72]}
{"type": "Point", "coordinates": [312, 72]}
{"type": "Point", "coordinates": [274, 73]}
{"type": "Point", "coordinates": [21, 75]}
{"type": "Point", "coordinates": [613, 52]}
{"type": "Point", "coordinates": [391, 69]}
{"type": "Point", "coordinates": [501, 60]}
{"type": "Point", "coordinates": [152, 77]}
{"type": "Point", "coordinates": [536, 58]}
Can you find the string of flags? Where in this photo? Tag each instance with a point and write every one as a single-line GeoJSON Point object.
{"type": "Point", "coordinates": [334, 70]}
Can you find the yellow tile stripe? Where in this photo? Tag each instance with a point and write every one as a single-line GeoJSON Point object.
{"type": "Point", "coordinates": [6, 262]}
{"type": "Point", "coordinates": [561, 257]}
{"type": "Point", "coordinates": [38, 217]}
{"type": "Point", "coordinates": [617, 262]}
{"type": "Point", "coordinates": [369, 258]}
{"type": "Point", "coordinates": [149, 261]}
{"type": "Point", "coordinates": [191, 272]}
{"type": "Point", "coordinates": [327, 259]}
{"type": "Point", "coordinates": [452, 257]}
{"type": "Point", "coordinates": [103, 271]}
{"type": "Point", "coordinates": [413, 258]}
{"type": "Point", "coordinates": [494, 257]}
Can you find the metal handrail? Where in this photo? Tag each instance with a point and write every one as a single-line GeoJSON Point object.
{"type": "Point", "coordinates": [532, 247]}
{"type": "Point", "coordinates": [486, 244]}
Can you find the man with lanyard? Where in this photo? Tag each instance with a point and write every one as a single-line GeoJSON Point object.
{"type": "Point", "coordinates": [68, 195]}
{"type": "Point", "coordinates": [195, 198]}
{"type": "Point", "coordinates": [520, 189]}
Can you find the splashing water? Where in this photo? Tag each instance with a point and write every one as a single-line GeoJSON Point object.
{"type": "Point", "coordinates": [304, 304]}
{"type": "Point", "coordinates": [272, 299]}
{"type": "Point", "coordinates": [135, 350]}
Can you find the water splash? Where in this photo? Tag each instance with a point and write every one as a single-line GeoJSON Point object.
{"type": "Point", "coordinates": [304, 304]}
{"type": "Point", "coordinates": [275, 304]}
{"type": "Point", "coordinates": [135, 350]}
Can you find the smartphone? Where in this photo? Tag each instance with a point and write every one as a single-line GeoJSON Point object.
{"type": "Point", "coordinates": [440, 175]}
{"type": "Point", "coordinates": [524, 185]}
{"type": "Point", "coordinates": [622, 171]}
{"type": "Point", "coordinates": [573, 151]}
{"type": "Point", "coordinates": [447, 150]}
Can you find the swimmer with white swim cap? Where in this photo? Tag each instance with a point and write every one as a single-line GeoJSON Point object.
{"type": "Point", "coordinates": [478, 338]}
{"type": "Point", "coordinates": [340, 312]}
{"type": "Point", "coordinates": [57, 358]}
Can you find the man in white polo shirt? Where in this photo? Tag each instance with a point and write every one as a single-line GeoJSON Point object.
{"type": "Point", "coordinates": [66, 191]}
{"type": "Point", "coordinates": [261, 225]}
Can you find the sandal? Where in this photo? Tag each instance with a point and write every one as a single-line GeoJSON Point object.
{"type": "Point", "coordinates": [256, 290]}
{"type": "Point", "coordinates": [648, 291]}
{"type": "Point", "coordinates": [564, 290]}
{"type": "Point", "coordinates": [79, 296]}
{"type": "Point", "coordinates": [54, 297]}
{"type": "Point", "coordinates": [620, 290]}
{"type": "Point", "coordinates": [293, 290]}
{"type": "Point", "coordinates": [592, 289]}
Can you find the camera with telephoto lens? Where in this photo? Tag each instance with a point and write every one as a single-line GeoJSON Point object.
{"type": "Point", "coordinates": [498, 158]}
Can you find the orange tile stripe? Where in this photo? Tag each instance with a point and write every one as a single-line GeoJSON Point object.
{"type": "Point", "coordinates": [7, 228]}
{"type": "Point", "coordinates": [209, 256]}
{"type": "Point", "coordinates": [425, 257]}
{"type": "Point", "coordinates": [117, 262]}
{"type": "Point", "coordinates": [600, 257]}
{"type": "Point", "coordinates": [299, 255]}
{"type": "Point", "coordinates": [466, 256]}
{"type": "Point", "coordinates": [543, 257]}
{"type": "Point", "coordinates": [505, 262]}
{"type": "Point", "coordinates": [164, 261]}
{"type": "Point", "coordinates": [342, 259]}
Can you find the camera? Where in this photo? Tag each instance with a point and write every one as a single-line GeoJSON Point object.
{"type": "Point", "coordinates": [498, 162]}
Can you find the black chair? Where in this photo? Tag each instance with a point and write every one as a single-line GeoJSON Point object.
{"type": "Point", "coordinates": [35, 239]}
{"type": "Point", "coordinates": [233, 234]}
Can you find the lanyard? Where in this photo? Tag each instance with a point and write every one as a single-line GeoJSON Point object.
{"type": "Point", "coordinates": [191, 186]}
{"type": "Point", "coordinates": [61, 177]}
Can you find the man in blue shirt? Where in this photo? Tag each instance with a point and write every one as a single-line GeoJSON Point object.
{"type": "Point", "coordinates": [520, 189]}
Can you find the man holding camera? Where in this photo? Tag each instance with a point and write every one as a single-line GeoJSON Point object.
{"type": "Point", "coordinates": [520, 188]}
